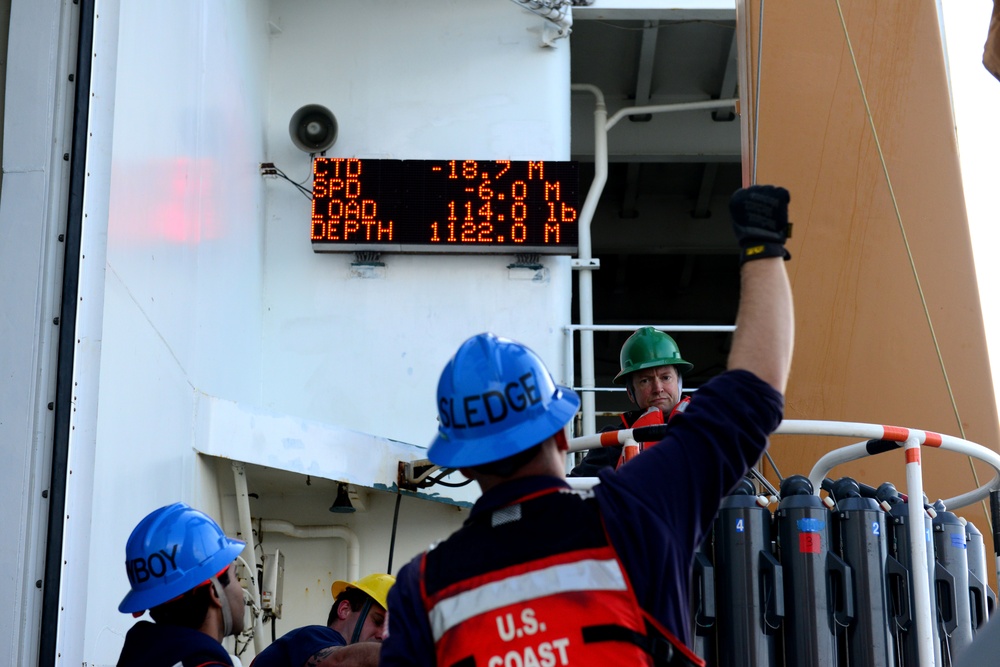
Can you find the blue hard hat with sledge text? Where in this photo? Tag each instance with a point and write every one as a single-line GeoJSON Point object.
{"type": "Point", "coordinates": [495, 399]}
{"type": "Point", "coordinates": [173, 550]}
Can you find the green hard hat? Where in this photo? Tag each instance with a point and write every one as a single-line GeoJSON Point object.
{"type": "Point", "coordinates": [649, 348]}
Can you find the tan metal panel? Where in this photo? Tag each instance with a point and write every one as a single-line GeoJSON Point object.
{"type": "Point", "coordinates": [991, 50]}
{"type": "Point", "coordinates": [864, 346]}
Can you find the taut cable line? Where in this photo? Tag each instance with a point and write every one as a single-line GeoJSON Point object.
{"type": "Point", "coordinates": [756, 97]}
{"type": "Point", "coordinates": [906, 242]}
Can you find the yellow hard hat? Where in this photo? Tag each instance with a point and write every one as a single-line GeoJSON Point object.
{"type": "Point", "coordinates": [375, 585]}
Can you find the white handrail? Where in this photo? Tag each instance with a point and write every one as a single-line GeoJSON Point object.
{"type": "Point", "coordinates": [890, 434]}
{"type": "Point", "coordinates": [848, 453]}
{"type": "Point", "coordinates": [910, 440]}
{"type": "Point", "coordinates": [661, 327]}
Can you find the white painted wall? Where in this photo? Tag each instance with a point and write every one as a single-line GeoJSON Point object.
{"type": "Point", "coordinates": [182, 308]}
{"type": "Point", "coordinates": [406, 80]}
{"type": "Point", "coordinates": [212, 287]}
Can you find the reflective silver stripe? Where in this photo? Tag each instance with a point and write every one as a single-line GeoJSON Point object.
{"type": "Point", "coordinates": [585, 575]}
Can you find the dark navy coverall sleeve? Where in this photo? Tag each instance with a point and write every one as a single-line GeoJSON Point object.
{"type": "Point", "coordinates": [659, 506]}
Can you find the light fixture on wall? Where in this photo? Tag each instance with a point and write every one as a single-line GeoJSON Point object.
{"type": "Point", "coordinates": [313, 128]}
{"type": "Point", "coordinates": [342, 505]}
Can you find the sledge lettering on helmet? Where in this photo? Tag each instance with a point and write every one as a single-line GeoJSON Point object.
{"type": "Point", "coordinates": [495, 399]}
{"type": "Point", "coordinates": [495, 405]}
{"type": "Point", "coordinates": [141, 569]}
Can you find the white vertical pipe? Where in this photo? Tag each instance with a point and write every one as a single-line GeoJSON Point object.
{"type": "Point", "coordinates": [243, 509]}
{"type": "Point", "coordinates": [585, 252]}
{"type": "Point", "coordinates": [569, 365]}
{"type": "Point", "coordinates": [569, 371]}
{"type": "Point", "coordinates": [918, 553]}
{"type": "Point", "coordinates": [587, 377]}
{"type": "Point", "coordinates": [249, 551]}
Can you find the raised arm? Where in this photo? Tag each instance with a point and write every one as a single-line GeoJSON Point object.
{"type": "Point", "coordinates": [765, 328]}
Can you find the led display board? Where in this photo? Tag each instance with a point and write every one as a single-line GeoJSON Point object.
{"type": "Point", "coordinates": [464, 206]}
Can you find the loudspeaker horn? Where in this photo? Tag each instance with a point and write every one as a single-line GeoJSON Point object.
{"type": "Point", "coordinates": [313, 128]}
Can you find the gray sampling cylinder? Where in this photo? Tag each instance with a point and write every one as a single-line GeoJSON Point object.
{"type": "Point", "coordinates": [816, 579]}
{"type": "Point", "coordinates": [749, 582]}
{"type": "Point", "coordinates": [901, 590]}
{"type": "Point", "coordinates": [951, 577]}
{"type": "Point", "coordinates": [859, 537]}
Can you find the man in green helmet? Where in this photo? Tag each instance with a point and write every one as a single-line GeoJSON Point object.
{"type": "Point", "coordinates": [652, 371]}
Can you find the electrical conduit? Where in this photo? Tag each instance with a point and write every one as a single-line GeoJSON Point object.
{"type": "Point", "coordinates": [321, 532]}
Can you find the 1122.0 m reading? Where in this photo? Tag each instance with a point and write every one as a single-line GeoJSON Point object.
{"type": "Point", "coordinates": [445, 206]}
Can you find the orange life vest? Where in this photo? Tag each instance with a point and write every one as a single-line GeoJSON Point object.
{"type": "Point", "coordinates": [651, 417]}
{"type": "Point", "coordinates": [570, 607]}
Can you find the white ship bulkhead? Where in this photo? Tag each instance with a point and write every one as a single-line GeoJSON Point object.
{"type": "Point", "coordinates": [200, 349]}
{"type": "Point", "coordinates": [217, 334]}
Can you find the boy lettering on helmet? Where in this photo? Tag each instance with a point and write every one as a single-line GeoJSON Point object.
{"type": "Point", "coordinates": [140, 569]}
{"type": "Point", "coordinates": [516, 396]}
{"type": "Point", "coordinates": [536, 564]}
{"type": "Point", "coordinates": [196, 607]}
{"type": "Point", "coordinates": [354, 630]}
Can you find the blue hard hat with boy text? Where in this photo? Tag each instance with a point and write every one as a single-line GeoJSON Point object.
{"type": "Point", "coordinates": [173, 550]}
{"type": "Point", "coordinates": [495, 399]}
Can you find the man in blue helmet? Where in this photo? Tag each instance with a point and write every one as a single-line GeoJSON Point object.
{"type": "Point", "coordinates": [181, 567]}
{"type": "Point", "coordinates": [540, 575]}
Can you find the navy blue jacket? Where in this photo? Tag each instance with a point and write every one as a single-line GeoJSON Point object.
{"type": "Point", "coordinates": [295, 647]}
{"type": "Point", "coordinates": [155, 645]}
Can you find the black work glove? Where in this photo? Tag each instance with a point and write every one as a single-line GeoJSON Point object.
{"type": "Point", "coordinates": [760, 220]}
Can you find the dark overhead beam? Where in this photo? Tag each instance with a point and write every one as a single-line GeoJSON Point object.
{"type": "Point", "coordinates": [727, 88]}
{"type": "Point", "coordinates": [643, 90]}
{"type": "Point", "coordinates": [644, 69]}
